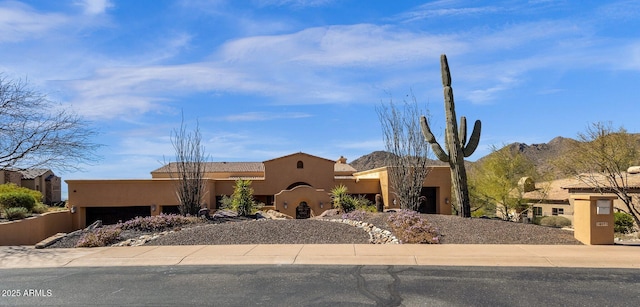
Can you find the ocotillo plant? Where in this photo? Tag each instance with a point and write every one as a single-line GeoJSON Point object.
{"type": "Point", "coordinates": [455, 143]}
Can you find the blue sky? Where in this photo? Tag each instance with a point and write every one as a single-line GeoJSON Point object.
{"type": "Point", "coordinates": [266, 78]}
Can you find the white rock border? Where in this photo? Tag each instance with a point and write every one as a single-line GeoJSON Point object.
{"type": "Point", "coordinates": [376, 235]}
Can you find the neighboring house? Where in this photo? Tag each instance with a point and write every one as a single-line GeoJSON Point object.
{"type": "Point", "coordinates": [578, 188]}
{"type": "Point", "coordinates": [557, 197]}
{"type": "Point", "coordinates": [550, 199]}
{"type": "Point", "coordinates": [39, 179]}
{"type": "Point", "coordinates": [282, 184]}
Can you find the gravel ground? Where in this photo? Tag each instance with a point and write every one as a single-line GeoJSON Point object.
{"type": "Point", "coordinates": [454, 230]}
{"type": "Point", "coordinates": [267, 232]}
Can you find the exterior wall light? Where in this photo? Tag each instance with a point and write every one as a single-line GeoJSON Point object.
{"type": "Point", "coordinates": [446, 200]}
{"type": "Point", "coordinates": [285, 205]}
{"type": "Point", "coordinates": [321, 205]}
{"type": "Point", "coordinates": [154, 208]}
{"type": "Point", "coordinates": [73, 209]}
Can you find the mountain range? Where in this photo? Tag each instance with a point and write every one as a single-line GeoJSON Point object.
{"type": "Point", "coordinates": [542, 155]}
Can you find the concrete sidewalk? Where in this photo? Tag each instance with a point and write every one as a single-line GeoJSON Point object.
{"type": "Point", "coordinates": [609, 256]}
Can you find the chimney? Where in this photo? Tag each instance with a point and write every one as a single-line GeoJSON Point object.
{"type": "Point", "coordinates": [342, 160]}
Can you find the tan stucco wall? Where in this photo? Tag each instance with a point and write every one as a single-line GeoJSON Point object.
{"type": "Point", "coordinates": [32, 230]}
{"type": "Point", "coordinates": [292, 198]}
{"type": "Point", "coordinates": [438, 177]}
{"type": "Point", "coordinates": [279, 174]}
{"type": "Point", "coordinates": [282, 172]}
{"type": "Point", "coordinates": [589, 227]}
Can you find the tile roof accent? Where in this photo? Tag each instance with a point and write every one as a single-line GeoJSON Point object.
{"type": "Point", "coordinates": [33, 173]}
{"type": "Point", "coordinates": [299, 153]}
{"type": "Point", "coordinates": [220, 167]}
{"type": "Point", "coordinates": [633, 181]}
{"type": "Point", "coordinates": [341, 167]}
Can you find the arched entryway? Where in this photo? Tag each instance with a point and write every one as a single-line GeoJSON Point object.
{"type": "Point", "coordinates": [303, 211]}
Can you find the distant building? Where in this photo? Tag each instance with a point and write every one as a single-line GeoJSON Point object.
{"type": "Point", "coordinates": [556, 198]}
{"type": "Point", "coordinates": [39, 179]}
{"type": "Point", "coordinates": [282, 184]}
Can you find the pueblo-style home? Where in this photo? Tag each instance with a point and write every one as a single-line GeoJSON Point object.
{"type": "Point", "coordinates": [282, 184]}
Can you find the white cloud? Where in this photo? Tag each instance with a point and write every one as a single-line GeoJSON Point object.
{"type": "Point", "coordinates": [351, 46]}
{"type": "Point", "coordinates": [264, 116]}
{"type": "Point", "coordinates": [19, 22]}
{"type": "Point", "coordinates": [95, 7]}
{"type": "Point", "coordinates": [294, 3]}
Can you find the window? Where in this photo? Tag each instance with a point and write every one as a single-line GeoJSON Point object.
{"type": "Point", "coordinates": [300, 164]}
{"type": "Point", "coordinates": [537, 211]}
{"type": "Point", "coordinates": [557, 211]}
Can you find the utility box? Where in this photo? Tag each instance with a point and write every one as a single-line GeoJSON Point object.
{"type": "Point", "coordinates": [593, 219]}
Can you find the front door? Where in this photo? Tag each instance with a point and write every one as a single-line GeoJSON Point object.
{"type": "Point", "coordinates": [303, 211]}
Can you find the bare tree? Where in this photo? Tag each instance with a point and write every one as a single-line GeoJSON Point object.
{"type": "Point", "coordinates": [409, 151]}
{"type": "Point", "coordinates": [37, 132]}
{"type": "Point", "coordinates": [600, 160]}
{"type": "Point", "coordinates": [189, 168]}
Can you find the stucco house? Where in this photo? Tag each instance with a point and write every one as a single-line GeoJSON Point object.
{"type": "Point", "coordinates": [556, 198]}
{"type": "Point", "coordinates": [282, 184]}
{"type": "Point", "coordinates": [39, 179]}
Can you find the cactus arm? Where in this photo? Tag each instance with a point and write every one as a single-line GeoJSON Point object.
{"type": "Point", "coordinates": [429, 137]}
{"type": "Point", "coordinates": [473, 140]}
{"type": "Point", "coordinates": [462, 131]}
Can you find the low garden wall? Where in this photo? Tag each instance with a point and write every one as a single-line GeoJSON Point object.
{"type": "Point", "coordinates": [32, 230]}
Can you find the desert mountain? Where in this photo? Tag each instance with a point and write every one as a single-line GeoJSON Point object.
{"type": "Point", "coordinates": [543, 155]}
{"type": "Point", "coordinates": [377, 159]}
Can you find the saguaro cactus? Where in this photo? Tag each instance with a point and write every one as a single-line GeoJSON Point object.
{"type": "Point", "coordinates": [455, 143]}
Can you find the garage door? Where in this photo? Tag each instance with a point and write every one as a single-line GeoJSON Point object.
{"type": "Point", "coordinates": [113, 215]}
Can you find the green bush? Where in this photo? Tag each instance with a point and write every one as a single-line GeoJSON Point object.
{"type": "Point", "coordinates": [11, 188]}
{"type": "Point", "coordinates": [40, 208]}
{"type": "Point", "coordinates": [17, 199]}
{"type": "Point", "coordinates": [362, 203]}
{"type": "Point", "coordinates": [623, 222]}
{"type": "Point", "coordinates": [555, 221]}
{"type": "Point", "coordinates": [16, 213]}
{"type": "Point", "coordinates": [536, 219]}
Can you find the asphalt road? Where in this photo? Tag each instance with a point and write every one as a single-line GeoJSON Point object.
{"type": "Point", "coordinates": [298, 285]}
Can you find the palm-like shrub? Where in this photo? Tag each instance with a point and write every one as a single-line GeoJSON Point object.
{"type": "Point", "coordinates": [242, 200]}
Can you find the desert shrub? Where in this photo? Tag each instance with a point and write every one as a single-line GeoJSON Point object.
{"type": "Point", "coordinates": [536, 219]}
{"type": "Point", "coordinates": [346, 203]}
{"type": "Point", "coordinates": [362, 203]}
{"type": "Point", "coordinates": [356, 215]}
{"type": "Point", "coordinates": [478, 213]}
{"type": "Point", "coordinates": [100, 237]}
{"type": "Point", "coordinates": [410, 227]}
{"type": "Point", "coordinates": [13, 188]}
{"type": "Point", "coordinates": [555, 221]}
{"type": "Point", "coordinates": [17, 199]}
{"type": "Point", "coordinates": [16, 213]}
{"type": "Point", "coordinates": [40, 208]}
{"type": "Point", "coordinates": [158, 222]}
{"type": "Point", "coordinates": [623, 222]}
